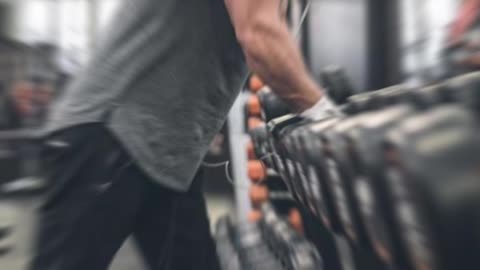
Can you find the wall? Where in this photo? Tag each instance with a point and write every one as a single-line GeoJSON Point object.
{"type": "Point", "coordinates": [71, 25]}
{"type": "Point", "coordinates": [424, 27]}
{"type": "Point", "coordinates": [338, 36]}
{"type": "Point", "coordinates": [29, 20]}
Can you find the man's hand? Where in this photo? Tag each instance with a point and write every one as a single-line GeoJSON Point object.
{"type": "Point", "coordinates": [272, 53]}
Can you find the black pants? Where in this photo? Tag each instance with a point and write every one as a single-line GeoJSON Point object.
{"type": "Point", "coordinates": [99, 197]}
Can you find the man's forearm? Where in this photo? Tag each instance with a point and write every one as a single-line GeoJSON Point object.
{"type": "Point", "coordinates": [272, 52]}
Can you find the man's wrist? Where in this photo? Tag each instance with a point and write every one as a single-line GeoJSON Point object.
{"type": "Point", "coordinates": [324, 108]}
{"type": "Point", "coordinates": [311, 96]}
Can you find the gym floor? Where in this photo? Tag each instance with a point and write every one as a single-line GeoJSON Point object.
{"type": "Point", "coordinates": [22, 211]}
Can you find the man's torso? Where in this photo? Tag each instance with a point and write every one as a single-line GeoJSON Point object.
{"type": "Point", "coordinates": [163, 80]}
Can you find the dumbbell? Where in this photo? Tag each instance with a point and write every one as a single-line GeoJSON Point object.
{"type": "Point", "coordinates": [296, 157]}
{"type": "Point", "coordinates": [251, 151]}
{"type": "Point", "coordinates": [277, 194]}
{"type": "Point", "coordinates": [261, 145]}
{"type": "Point", "coordinates": [278, 127]}
{"type": "Point", "coordinates": [296, 152]}
{"type": "Point", "coordinates": [267, 223]}
{"type": "Point", "coordinates": [254, 122]}
{"type": "Point", "coordinates": [290, 162]}
{"type": "Point", "coordinates": [360, 103]}
{"type": "Point", "coordinates": [271, 216]}
{"type": "Point", "coordinates": [285, 145]}
{"type": "Point", "coordinates": [254, 216]}
{"type": "Point", "coordinates": [272, 106]}
{"type": "Point", "coordinates": [422, 99]}
{"type": "Point", "coordinates": [296, 220]}
{"type": "Point", "coordinates": [337, 84]}
{"type": "Point", "coordinates": [256, 170]}
{"type": "Point", "coordinates": [312, 148]}
{"type": "Point", "coordinates": [326, 151]}
{"type": "Point", "coordinates": [363, 144]}
{"type": "Point", "coordinates": [253, 251]}
{"type": "Point", "coordinates": [253, 106]}
{"type": "Point", "coordinates": [255, 84]}
{"type": "Point", "coordinates": [304, 256]}
{"type": "Point", "coordinates": [461, 90]}
{"type": "Point", "coordinates": [288, 145]}
{"type": "Point", "coordinates": [292, 249]}
{"type": "Point", "coordinates": [285, 238]}
{"type": "Point", "coordinates": [274, 128]}
{"type": "Point", "coordinates": [296, 160]}
{"type": "Point", "coordinates": [272, 233]}
{"type": "Point", "coordinates": [323, 149]}
{"type": "Point", "coordinates": [432, 169]}
{"type": "Point", "coordinates": [296, 251]}
{"type": "Point", "coordinates": [260, 194]}
{"type": "Point", "coordinates": [391, 96]}
{"type": "Point", "coordinates": [375, 100]}
{"type": "Point", "coordinates": [338, 171]}
{"type": "Point", "coordinates": [226, 249]}
{"type": "Point", "coordinates": [464, 90]}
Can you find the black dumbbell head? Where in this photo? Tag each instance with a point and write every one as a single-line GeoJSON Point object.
{"type": "Point", "coordinates": [303, 255]}
{"type": "Point", "coordinates": [368, 134]}
{"type": "Point", "coordinates": [272, 106]}
{"type": "Point", "coordinates": [465, 90]}
{"type": "Point", "coordinates": [336, 181]}
{"type": "Point", "coordinates": [365, 148]}
{"type": "Point", "coordinates": [433, 173]}
{"type": "Point", "coordinates": [360, 103]}
{"type": "Point", "coordinates": [391, 96]}
{"type": "Point", "coordinates": [260, 139]}
{"type": "Point", "coordinates": [337, 83]}
{"type": "Point", "coordinates": [341, 181]}
{"type": "Point", "coordinates": [316, 172]}
{"type": "Point", "coordinates": [276, 128]}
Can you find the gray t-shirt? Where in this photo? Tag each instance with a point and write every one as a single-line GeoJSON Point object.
{"type": "Point", "coordinates": [163, 81]}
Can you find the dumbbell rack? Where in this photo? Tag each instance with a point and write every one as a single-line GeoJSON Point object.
{"type": "Point", "coordinates": [394, 184]}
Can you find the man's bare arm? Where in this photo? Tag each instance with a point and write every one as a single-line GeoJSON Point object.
{"type": "Point", "coordinates": [272, 52]}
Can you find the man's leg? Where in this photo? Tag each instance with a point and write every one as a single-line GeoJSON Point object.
{"type": "Point", "coordinates": [95, 197]}
{"type": "Point", "coordinates": [176, 236]}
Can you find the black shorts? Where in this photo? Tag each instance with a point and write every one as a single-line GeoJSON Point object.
{"type": "Point", "coordinates": [98, 197]}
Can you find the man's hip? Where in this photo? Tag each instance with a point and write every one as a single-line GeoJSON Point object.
{"type": "Point", "coordinates": [98, 197]}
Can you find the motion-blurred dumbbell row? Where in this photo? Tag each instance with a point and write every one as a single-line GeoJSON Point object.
{"type": "Point", "coordinates": [399, 174]}
{"type": "Point", "coordinates": [270, 243]}
{"type": "Point", "coordinates": [273, 238]}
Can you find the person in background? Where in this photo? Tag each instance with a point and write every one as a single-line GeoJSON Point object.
{"type": "Point", "coordinates": [462, 51]}
{"type": "Point", "coordinates": [31, 102]}
{"type": "Point", "coordinates": [22, 94]}
{"type": "Point", "coordinates": [42, 100]}
{"type": "Point", "coordinates": [25, 108]}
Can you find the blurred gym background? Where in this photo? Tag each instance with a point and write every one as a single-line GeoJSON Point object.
{"type": "Point", "coordinates": [45, 43]}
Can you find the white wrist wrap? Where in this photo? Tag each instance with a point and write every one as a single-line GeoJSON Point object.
{"type": "Point", "coordinates": [324, 108]}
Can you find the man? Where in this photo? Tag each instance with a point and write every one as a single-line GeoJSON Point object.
{"type": "Point", "coordinates": [130, 133]}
